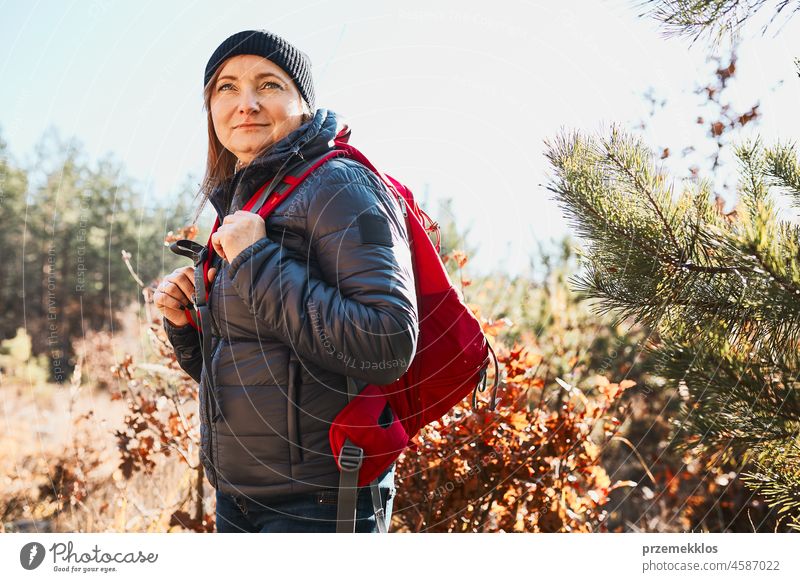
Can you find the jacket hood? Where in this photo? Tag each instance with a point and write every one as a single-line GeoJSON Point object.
{"type": "Point", "coordinates": [310, 140]}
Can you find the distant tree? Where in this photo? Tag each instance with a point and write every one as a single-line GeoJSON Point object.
{"type": "Point", "coordinates": [66, 224]}
{"type": "Point", "coordinates": [13, 186]}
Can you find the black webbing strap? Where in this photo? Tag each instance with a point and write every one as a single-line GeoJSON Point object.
{"type": "Point", "coordinates": [207, 334]}
{"type": "Point", "coordinates": [377, 507]}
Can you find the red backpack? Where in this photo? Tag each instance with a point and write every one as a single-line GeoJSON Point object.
{"type": "Point", "coordinates": [451, 359]}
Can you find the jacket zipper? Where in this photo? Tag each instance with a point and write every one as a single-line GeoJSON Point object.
{"type": "Point", "coordinates": [292, 411]}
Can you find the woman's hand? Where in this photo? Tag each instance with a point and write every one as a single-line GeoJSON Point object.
{"type": "Point", "coordinates": [237, 232]}
{"type": "Point", "coordinates": [175, 293]}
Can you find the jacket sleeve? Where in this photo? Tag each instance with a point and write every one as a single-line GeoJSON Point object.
{"type": "Point", "coordinates": [185, 341]}
{"type": "Point", "coordinates": [360, 318]}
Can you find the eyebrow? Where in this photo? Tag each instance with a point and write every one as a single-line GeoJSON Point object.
{"type": "Point", "coordinates": [259, 76]}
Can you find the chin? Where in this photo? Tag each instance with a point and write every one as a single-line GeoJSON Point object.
{"type": "Point", "coordinates": [253, 146]}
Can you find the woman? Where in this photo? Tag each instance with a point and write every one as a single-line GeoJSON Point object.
{"type": "Point", "coordinates": [323, 290]}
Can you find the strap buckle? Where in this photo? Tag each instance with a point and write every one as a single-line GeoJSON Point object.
{"type": "Point", "coordinates": [351, 457]}
{"type": "Point", "coordinates": [187, 248]}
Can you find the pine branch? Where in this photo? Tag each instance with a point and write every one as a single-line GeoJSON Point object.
{"type": "Point", "coordinates": [635, 169]}
{"type": "Point", "coordinates": [724, 296]}
{"type": "Point", "coordinates": [784, 169]}
{"type": "Point", "coordinates": [776, 476]}
{"type": "Point", "coordinates": [714, 18]}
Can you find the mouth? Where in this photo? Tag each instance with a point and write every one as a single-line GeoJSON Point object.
{"type": "Point", "coordinates": [250, 125]}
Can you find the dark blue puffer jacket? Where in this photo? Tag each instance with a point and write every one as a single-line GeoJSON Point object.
{"type": "Point", "coordinates": [328, 293]}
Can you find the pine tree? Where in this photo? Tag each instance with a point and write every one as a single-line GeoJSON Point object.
{"type": "Point", "coordinates": [721, 291]}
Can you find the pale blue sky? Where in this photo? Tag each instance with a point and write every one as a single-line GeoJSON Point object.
{"type": "Point", "coordinates": [457, 96]}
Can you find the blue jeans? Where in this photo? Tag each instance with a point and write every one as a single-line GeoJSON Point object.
{"type": "Point", "coordinates": [307, 512]}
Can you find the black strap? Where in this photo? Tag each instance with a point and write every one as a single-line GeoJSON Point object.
{"type": "Point", "coordinates": [206, 327]}
{"type": "Point", "coordinates": [482, 381]}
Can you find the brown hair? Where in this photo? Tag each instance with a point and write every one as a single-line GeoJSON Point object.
{"type": "Point", "coordinates": [220, 162]}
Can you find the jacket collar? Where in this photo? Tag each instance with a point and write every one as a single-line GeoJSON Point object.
{"type": "Point", "coordinates": [308, 141]}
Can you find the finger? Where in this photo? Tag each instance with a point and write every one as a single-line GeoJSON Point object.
{"type": "Point", "coordinates": [231, 217]}
{"type": "Point", "coordinates": [171, 290]}
{"type": "Point", "coordinates": [183, 278]}
{"type": "Point", "coordinates": [176, 316]}
{"type": "Point", "coordinates": [218, 248]}
{"type": "Point", "coordinates": [215, 241]}
{"type": "Point", "coordinates": [185, 281]}
{"type": "Point", "coordinates": [167, 303]}
{"type": "Point", "coordinates": [211, 274]}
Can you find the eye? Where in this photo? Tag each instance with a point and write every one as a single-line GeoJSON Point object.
{"type": "Point", "coordinates": [273, 83]}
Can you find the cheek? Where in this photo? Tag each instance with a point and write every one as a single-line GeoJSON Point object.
{"type": "Point", "coordinates": [293, 108]}
{"type": "Point", "coordinates": [283, 108]}
{"type": "Point", "coordinates": [218, 120]}
{"type": "Point", "coordinates": [287, 114]}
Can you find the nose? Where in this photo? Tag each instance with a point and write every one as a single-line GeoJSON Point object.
{"type": "Point", "coordinates": [248, 102]}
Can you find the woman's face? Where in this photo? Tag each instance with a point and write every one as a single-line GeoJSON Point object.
{"type": "Point", "coordinates": [253, 104]}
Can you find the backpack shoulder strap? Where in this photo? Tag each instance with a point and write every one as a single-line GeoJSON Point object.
{"type": "Point", "coordinates": [270, 196]}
